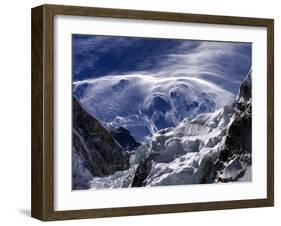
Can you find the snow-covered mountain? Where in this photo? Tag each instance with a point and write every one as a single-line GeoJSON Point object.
{"type": "Point", "coordinates": [145, 104]}
{"type": "Point", "coordinates": [211, 147]}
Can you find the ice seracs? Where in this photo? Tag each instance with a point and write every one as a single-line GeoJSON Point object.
{"type": "Point", "coordinates": [181, 155]}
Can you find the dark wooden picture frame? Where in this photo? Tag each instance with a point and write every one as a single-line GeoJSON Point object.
{"type": "Point", "coordinates": [42, 203]}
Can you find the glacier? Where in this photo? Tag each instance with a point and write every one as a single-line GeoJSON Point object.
{"type": "Point", "coordinates": [200, 147]}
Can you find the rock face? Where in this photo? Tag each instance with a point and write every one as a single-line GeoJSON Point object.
{"type": "Point", "coordinates": [238, 143]}
{"type": "Point", "coordinates": [142, 172]}
{"type": "Point", "coordinates": [124, 138]}
{"type": "Point", "coordinates": [95, 151]}
{"type": "Point", "coordinates": [243, 118]}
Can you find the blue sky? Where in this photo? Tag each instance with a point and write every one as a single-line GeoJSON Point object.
{"type": "Point", "coordinates": [222, 63]}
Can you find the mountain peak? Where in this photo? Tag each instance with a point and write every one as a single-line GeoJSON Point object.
{"type": "Point", "coordinates": [245, 90]}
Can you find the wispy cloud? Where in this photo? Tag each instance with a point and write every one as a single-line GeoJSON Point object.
{"type": "Point", "coordinates": [225, 64]}
{"type": "Point", "coordinates": [222, 63]}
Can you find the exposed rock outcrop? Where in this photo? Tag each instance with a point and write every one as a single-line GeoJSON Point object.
{"type": "Point", "coordinates": [238, 143]}
{"type": "Point", "coordinates": [124, 138]}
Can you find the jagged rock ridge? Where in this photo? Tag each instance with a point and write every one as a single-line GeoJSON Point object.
{"type": "Point", "coordinates": [238, 143]}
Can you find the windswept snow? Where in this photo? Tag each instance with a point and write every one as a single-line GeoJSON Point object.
{"type": "Point", "coordinates": [144, 104]}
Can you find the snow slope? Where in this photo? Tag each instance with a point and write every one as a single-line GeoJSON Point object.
{"type": "Point", "coordinates": [144, 104]}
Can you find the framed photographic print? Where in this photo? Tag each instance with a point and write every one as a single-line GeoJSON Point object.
{"type": "Point", "coordinates": [141, 112]}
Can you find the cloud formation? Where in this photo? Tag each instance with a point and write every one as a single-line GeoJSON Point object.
{"type": "Point", "coordinates": [222, 63]}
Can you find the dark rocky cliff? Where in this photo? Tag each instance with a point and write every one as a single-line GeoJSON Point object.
{"type": "Point", "coordinates": [238, 143]}
{"type": "Point", "coordinates": [239, 137]}
{"type": "Point", "coordinates": [124, 138]}
{"type": "Point", "coordinates": [95, 147]}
